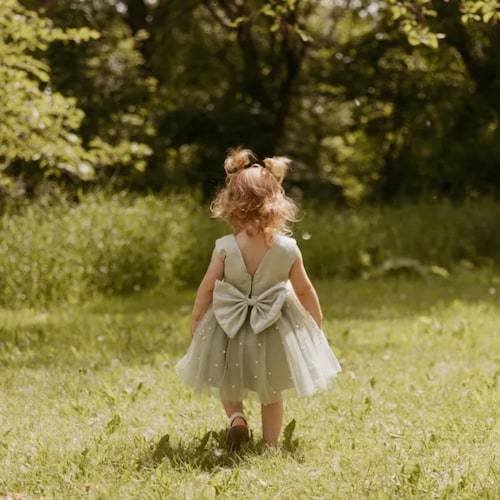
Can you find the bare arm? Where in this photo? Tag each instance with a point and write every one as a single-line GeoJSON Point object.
{"type": "Point", "coordinates": [215, 271]}
{"type": "Point", "coordinates": [305, 291]}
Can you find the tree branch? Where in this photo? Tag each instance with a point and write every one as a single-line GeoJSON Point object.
{"type": "Point", "coordinates": [223, 20]}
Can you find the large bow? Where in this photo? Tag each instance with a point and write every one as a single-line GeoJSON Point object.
{"type": "Point", "coordinates": [230, 307]}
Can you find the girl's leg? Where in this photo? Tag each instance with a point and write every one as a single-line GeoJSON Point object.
{"type": "Point", "coordinates": [232, 407]}
{"type": "Point", "coordinates": [272, 420]}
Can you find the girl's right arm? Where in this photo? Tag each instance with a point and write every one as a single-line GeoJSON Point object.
{"type": "Point", "coordinates": [205, 291]}
{"type": "Point", "coordinates": [305, 291]}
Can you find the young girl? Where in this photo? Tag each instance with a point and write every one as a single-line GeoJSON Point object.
{"type": "Point", "coordinates": [252, 333]}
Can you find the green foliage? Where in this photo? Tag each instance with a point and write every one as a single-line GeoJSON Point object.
{"type": "Point", "coordinates": [352, 243]}
{"type": "Point", "coordinates": [56, 250]}
{"type": "Point", "coordinates": [485, 11]}
{"type": "Point", "coordinates": [415, 18]}
{"type": "Point", "coordinates": [198, 244]}
{"type": "Point", "coordinates": [104, 244]}
{"type": "Point", "coordinates": [38, 124]}
{"type": "Point", "coordinates": [379, 119]}
{"type": "Point", "coordinates": [377, 101]}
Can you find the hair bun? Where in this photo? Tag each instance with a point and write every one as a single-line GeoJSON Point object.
{"type": "Point", "coordinates": [278, 166]}
{"type": "Point", "coordinates": [237, 159]}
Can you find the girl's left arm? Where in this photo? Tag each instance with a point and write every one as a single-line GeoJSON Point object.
{"type": "Point", "coordinates": [215, 271]}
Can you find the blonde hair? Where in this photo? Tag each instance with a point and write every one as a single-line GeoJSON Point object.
{"type": "Point", "coordinates": [253, 199]}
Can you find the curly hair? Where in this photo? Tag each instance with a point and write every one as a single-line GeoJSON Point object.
{"type": "Point", "coordinates": [253, 199]}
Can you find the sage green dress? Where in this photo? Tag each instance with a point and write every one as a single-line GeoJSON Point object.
{"type": "Point", "coordinates": [256, 339]}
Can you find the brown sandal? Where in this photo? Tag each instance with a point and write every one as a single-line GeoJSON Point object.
{"type": "Point", "coordinates": [238, 434]}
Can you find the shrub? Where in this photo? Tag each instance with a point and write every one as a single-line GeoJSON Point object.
{"type": "Point", "coordinates": [59, 251]}
{"type": "Point", "coordinates": [348, 242]}
{"type": "Point", "coordinates": [104, 244]}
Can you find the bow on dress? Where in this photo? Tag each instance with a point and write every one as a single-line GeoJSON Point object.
{"type": "Point", "coordinates": [230, 307]}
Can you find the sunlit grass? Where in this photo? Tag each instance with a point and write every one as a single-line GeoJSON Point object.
{"type": "Point", "coordinates": [88, 392]}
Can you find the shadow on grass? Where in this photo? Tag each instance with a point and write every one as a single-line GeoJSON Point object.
{"type": "Point", "coordinates": [210, 453]}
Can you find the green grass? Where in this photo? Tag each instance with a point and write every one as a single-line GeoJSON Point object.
{"type": "Point", "coordinates": [88, 391]}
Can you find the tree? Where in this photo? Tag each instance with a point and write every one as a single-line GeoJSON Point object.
{"type": "Point", "coordinates": [376, 100]}
{"type": "Point", "coordinates": [38, 124]}
{"type": "Point", "coordinates": [384, 118]}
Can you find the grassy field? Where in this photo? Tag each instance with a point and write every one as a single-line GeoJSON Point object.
{"type": "Point", "coordinates": [90, 406]}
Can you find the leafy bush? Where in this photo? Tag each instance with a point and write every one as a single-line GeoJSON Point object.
{"type": "Point", "coordinates": [104, 244]}
{"type": "Point", "coordinates": [59, 251]}
{"type": "Point", "coordinates": [350, 242]}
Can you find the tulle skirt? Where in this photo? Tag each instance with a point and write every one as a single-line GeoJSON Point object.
{"type": "Point", "coordinates": [290, 358]}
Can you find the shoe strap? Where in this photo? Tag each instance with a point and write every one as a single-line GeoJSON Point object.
{"type": "Point", "coordinates": [237, 414]}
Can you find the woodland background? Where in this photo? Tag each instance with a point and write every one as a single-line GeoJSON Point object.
{"type": "Point", "coordinates": [376, 101]}
{"type": "Point", "coordinates": [115, 117]}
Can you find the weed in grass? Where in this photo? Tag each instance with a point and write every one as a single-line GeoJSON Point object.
{"type": "Point", "coordinates": [210, 452]}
